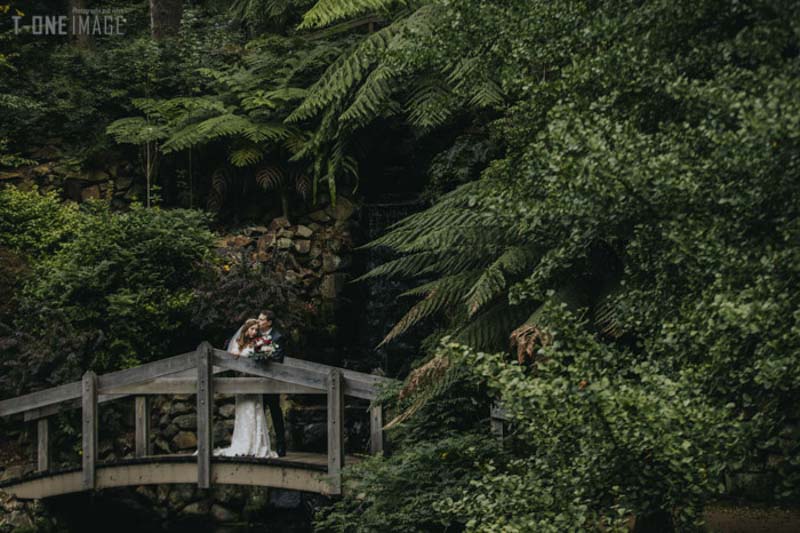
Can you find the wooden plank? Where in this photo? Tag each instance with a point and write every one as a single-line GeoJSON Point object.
{"type": "Point", "coordinates": [335, 430]}
{"type": "Point", "coordinates": [72, 391]}
{"type": "Point", "coordinates": [89, 428]}
{"type": "Point", "coordinates": [498, 411]}
{"type": "Point", "coordinates": [40, 399]}
{"type": "Point", "coordinates": [146, 372]}
{"type": "Point", "coordinates": [50, 410]}
{"type": "Point", "coordinates": [35, 414]}
{"type": "Point", "coordinates": [376, 430]}
{"type": "Point", "coordinates": [273, 370]}
{"type": "Point", "coordinates": [142, 418]}
{"type": "Point", "coordinates": [205, 404]}
{"type": "Point", "coordinates": [221, 386]}
{"type": "Point", "coordinates": [301, 372]}
{"type": "Point", "coordinates": [497, 415]}
{"type": "Point", "coordinates": [356, 384]}
{"type": "Point", "coordinates": [43, 451]}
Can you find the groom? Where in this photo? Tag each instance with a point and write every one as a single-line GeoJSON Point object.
{"type": "Point", "coordinates": [265, 321]}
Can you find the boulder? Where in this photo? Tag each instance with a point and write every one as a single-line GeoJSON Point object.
{"type": "Point", "coordinates": [240, 241]}
{"type": "Point", "coordinates": [221, 514]}
{"type": "Point", "coordinates": [122, 184]}
{"type": "Point", "coordinates": [278, 223]}
{"type": "Point", "coordinates": [227, 410]}
{"type": "Point", "coordinates": [304, 231]}
{"type": "Point", "coordinates": [90, 193]}
{"type": "Point", "coordinates": [319, 216]}
{"type": "Point", "coordinates": [332, 262]}
{"type": "Point", "coordinates": [188, 421]}
{"type": "Point", "coordinates": [196, 508]}
{"type": "Point", "coordinates": [43, 169]}
{"type": "Point", "coordinates": [344, 209]}
{"type": "Point", "coordinates": [179, 408]}
{"type": "Point", "coordinates": [285, 499]}
{"type": "Point", "coordinates": [302, 246]}
{"type": "Point", "coordinates": [284, 244]}
{"type": "Point", "coordinates": [185, 440]}
{"type": "Point", "coordinates": [332, 285]}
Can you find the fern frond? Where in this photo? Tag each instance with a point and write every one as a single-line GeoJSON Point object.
{"type": "Point", "coordinates": [220, 179]}
{"type": "Point", "coordinates": [430, 105]}
{"type": "Point", "coordinates": [373, 95]}
{"type": "Point", "coordinates": [136, 130]}
{"type": "Point", "coordinates": [406, 266]}
{"type": "Point", "coordinates": [347, 71]}
{"type": "Point", "coordinates": [486, 94]}
{"type": "Point", "coordinates": [423, 384]}
{"type": "Point", "coordinates": [326, 12]}
{"type": "Point", "coordinates": [223, 126]}
{"type": "Point", "coordinates": [270, 177]}
{"type": "Point", "coordinates": [442, 293]}
{"type": "Point", "coordinates": [493, 282]}
{"type": "Point", "coordinates": [246, 155]}
{"type": "Point", "coordinates": [489, 330]}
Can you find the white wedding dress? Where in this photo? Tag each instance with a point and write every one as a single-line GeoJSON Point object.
{"type": "Point", "coordinates": [250, 430]}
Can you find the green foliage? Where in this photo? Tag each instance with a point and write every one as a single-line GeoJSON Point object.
{"type": "Point", "coordinates": [648, 178]}
{"type": "Point", "coordinates": [326, 12]}
{"type": "Point", "coordinates": [35, 224]}
{"type": "Point", "coordinates": [115, 292]}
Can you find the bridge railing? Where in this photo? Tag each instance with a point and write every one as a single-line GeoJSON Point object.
{"type": "Point", "coordinates": [193, 373]}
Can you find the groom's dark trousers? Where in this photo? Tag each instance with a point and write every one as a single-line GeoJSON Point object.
{"type": "Point", "coordinates": [273, 401]}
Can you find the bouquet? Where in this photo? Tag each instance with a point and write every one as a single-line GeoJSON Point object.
{"type": "Point", "coordinates": [264, 348]}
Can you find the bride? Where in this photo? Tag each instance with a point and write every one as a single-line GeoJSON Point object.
{"type": "Point", "coordinates": [250, 431]}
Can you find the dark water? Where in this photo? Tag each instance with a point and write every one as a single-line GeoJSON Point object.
{"type": "Point", "coordinates": [120, 511]}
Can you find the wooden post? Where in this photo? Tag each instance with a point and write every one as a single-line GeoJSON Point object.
{"type": "Point", "coordinates": [497, 415]}
{"type": "Point", "coordinates": [376, 430]}
{"type": "Point", "coordinates": [89, 428]}
{"type": "Point", "coordinates": [205, 402]}
{"type": "Point", "coordinates": [335, 430]}
{"type": "Point", "coordinates": [43, 452]}
{"type": "Point", "coordinates": [142, 416]}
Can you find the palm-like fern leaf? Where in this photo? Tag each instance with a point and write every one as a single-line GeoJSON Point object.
{"type": "Point", "coordinates": [326, 12]}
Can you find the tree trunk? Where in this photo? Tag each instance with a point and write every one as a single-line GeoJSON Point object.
{"type": "Point", "coordinates": [165, 18]}
{"type": "Point", "coordinates": [77, 35]}
{"type": "Point", "coordinates": [656, 522]}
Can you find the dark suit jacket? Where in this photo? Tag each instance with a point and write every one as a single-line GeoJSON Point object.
{"type": "Point", "coordinates": [279, 340]}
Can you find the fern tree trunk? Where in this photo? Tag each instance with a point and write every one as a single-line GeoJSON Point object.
{"type": "Point", "coordinates": [165, 18]}
{"type": "Point", "coordinates": [78, 37]}
{"type": "Point", "coordinates": [655, 522]}
{"type": "Point", "coordinates": [285, 204]}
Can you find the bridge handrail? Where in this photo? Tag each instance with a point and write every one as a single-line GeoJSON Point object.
{"type": "Point", "coordinates": [111, 386]}
{"type": "Point", "coordinates": [194, 372]}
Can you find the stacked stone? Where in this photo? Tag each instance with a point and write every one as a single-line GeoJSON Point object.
{"type": "Point", "coordinates": [312, 254]}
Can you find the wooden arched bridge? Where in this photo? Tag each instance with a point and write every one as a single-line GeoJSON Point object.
{"type": "Point", "coordinates": [193, 373]}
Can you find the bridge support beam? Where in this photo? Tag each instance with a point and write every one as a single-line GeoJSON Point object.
{"type": "Point", "coordinates": [142, 416]}
{"type": "Point", "coordinates": [335, 430]}
{"type": "Point", "coordinates": [376, 430]}
{"type": "Point", "coordinates": [43, 452]}
{"type": "Point", "coordinates": [497, 417]}
{"type": "Point", "coordinates": [89, 428]}
{"type": "Point", "coordinates": [205, 404]}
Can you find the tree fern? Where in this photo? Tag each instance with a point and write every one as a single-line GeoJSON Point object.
{"type": "Point", "coordinates": [493, 282]}
{"type": "Point", "coordinates": [326, 12]}
{"type": "Point", "coordinates": [439, 294]}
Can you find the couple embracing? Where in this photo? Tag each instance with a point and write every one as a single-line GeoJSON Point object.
{"type": "Point", "coordinates": [257, 339]}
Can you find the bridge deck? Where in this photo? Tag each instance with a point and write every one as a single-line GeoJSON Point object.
{"type": "Point", "coordinates": [297, 470]}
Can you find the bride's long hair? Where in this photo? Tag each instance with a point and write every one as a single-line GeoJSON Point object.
{"type": "Point", "coordinates": [243, 341]}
